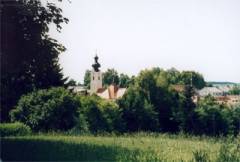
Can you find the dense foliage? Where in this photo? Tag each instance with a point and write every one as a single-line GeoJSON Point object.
{"type": "Point", "coordinates": [111, 76]}
{"type": "Point", "coordinates": [87, 79]}
{"type": "Point", "coordinates": [101, 115]}
{"type": "Point", "coordinates": [151, 103]}
{"type": "Point", "coordinates": [14, 129]}
{"type": "Point", "coordinates": [57, 109]}
{"type": "Point", "coordinates": [52, 109]}
{"type": "Point", "coordinates": [138, 112]}
{"type": "Point", "coordinates": [29, 56]}
{"type": "Point", "coordinates": [173, 76]}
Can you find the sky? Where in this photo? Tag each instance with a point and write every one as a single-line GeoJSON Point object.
{"type": "Point", "coordinates": [132, 35]}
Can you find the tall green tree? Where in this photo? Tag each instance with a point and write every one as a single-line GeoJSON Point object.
{"type": "Point", "coordinates": [124, 80]}
{"type": "Point", "coordinates": [174, 76]}
{"type": "Point", "coordinates": [187, 111]}
{"type": "Point", "coordinates": [150, 92]}
{"type": "Point", "coordinates": [138, 112]}
{"type": "Point", "coordinates": [29, 56]}
{"type": "Point", "coordinates": [110, 77]}
{"type": "Point", "coordinates": [215, 119]}
{"type": "Point", "coordinates": [194, 78]}
{"type": "Point", "coordinates": [87, 78]}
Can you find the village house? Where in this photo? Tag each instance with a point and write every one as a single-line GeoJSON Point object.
{"type": "Point", "coordinates": [213, 91]}
{"type": "Point", "coordinates": [221, 95]}
{"type": "Point", "coordinates": [230, 100]}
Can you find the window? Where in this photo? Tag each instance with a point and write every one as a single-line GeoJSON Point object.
{"type": "Point", "coordinates": [98, 78]}
{"type": "Point", "coordinates": [93, 78]}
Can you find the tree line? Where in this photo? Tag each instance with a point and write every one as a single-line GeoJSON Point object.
{"type": "Point", "coordinates": [111, 76]}
{"type": "Point", "coordinates": [151, 103]}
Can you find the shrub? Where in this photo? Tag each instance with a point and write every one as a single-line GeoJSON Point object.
{"type": "Point", "coordinates": [81, 127]}
{"type": "Point", "coordinates": [214, 119]}
{"type": "Point", "coordinates": [236, 119]}
{"type": "Point", "coordinates": [45, 110]}
{"type": "Point", "coordinates": [101, 115]}
{"type": "Point", "coordinates": [14, 129]}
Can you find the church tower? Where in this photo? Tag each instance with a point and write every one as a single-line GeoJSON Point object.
{"type": "Point", "coordinates": [96, 77]}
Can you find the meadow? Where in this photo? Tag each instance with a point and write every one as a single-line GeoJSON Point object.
{"type": "Point", "coordinates": [134, 147]}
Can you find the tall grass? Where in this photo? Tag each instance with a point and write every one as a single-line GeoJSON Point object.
{"type": "Point", "coordinates": [135, 147]}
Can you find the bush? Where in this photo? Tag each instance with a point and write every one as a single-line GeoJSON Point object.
{"type": "Point", "coordinates": [47, 110]}
{"type": "Point", "coordinates": [214, 119]}
{"type": "Point", "coordinates": [81, 127]}
{"type": "Point", "coordinates": [101, 115]}
{"type": "Point", "coordinates": [14, 129]}
{"type": "Point", "coordinates": [236, 120]}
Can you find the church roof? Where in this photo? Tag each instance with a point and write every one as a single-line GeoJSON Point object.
{"type": "Point", "coordinates": [111, 92]}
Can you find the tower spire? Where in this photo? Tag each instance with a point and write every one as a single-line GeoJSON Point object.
{"type": "Point", "coordinates": [96, 65]}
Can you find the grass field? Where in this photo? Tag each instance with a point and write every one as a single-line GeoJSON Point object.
{"type": "Point", "coordinates": [137, 147]}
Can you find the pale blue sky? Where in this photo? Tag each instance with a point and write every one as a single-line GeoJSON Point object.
{"type": "Point", "coordinates": [131, 35]}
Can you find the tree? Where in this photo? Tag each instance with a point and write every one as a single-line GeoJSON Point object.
{"type": "Point", "coordinates": [152, 101]}
{"type": "Point", "coordinates": [110, 77]}
{"type": "Point", "coordinates": [236, 119]}
{"type": "Point", "coordinates": [155, 84]}
{"type": "Point", "coordinates": [138, 112]}
{"type": "Point", "coordinates": [194, 78]}
{"type": "Point", "coordinates": [87, 78]}
{"type": "Point", "coordinates": [174, 76]}
{"type": "Point", "coordinates": [124, 80]}
{"type": "Point", "coordinates": [29, 56]}
{"type": "Point", "coordinates": [187, 110]}
{"type": "Point", "coordinates": [214, 119]}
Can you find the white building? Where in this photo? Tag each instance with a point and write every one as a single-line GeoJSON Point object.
{"type": "Point", "coordinates": [213, 91]}
{"type": "Point", "coordinates": [78, 89]}
{"type": "Point", "coordinates": [96, 81]}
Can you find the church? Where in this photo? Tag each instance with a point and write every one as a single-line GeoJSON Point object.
{"type": "Point", "coordinates": [111, 92]}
